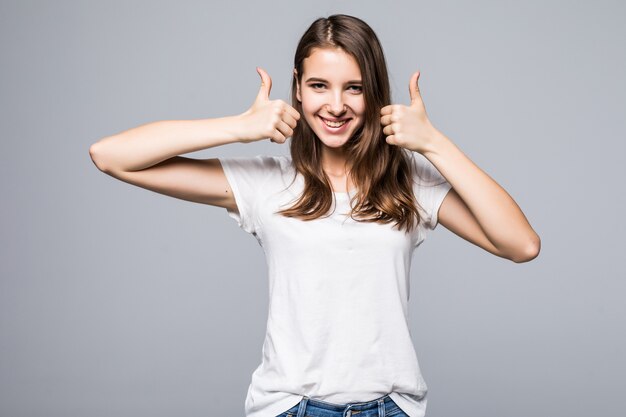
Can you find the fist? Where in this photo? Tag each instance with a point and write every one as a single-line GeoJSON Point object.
{"type": "Point", "coordinates": [273, 119]}
{"type": "Point", "coordinates": [408, 126]}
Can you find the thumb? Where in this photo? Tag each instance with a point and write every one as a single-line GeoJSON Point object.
{"type": "Point", "coordinates": [266, 85]}
{"type": "Point", "coordinates": [414, 89]}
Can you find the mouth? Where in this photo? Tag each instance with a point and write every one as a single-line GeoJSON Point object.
{"type": "Point", "coordinates": [335, 126]}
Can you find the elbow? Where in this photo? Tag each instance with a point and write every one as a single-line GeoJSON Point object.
{"type": "Point", "coordinates": [530, 253]}
{"type": "Point", "coordinates": [95, 153]}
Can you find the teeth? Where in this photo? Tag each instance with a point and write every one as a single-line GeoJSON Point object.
{"type": "Point", "coordinates": [334, 124]}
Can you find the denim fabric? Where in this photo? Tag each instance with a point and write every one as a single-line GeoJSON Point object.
{"type": "Point", "coordinates": [381, 407]}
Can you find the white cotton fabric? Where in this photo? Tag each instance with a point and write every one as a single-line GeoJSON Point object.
{"type": "Point", "coordinates": [337, 325]}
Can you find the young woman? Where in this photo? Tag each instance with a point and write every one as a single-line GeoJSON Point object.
{"type": "Point", "coordinates": [338, 219]}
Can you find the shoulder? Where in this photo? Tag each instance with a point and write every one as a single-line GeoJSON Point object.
{"type": "Point", "coordinates": [260, 167]}
{"type": "Point", "coordinates": [254, 163]}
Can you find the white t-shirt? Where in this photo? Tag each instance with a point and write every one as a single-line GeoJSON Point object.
{"type": "Point", "coordinates": [337, 325]}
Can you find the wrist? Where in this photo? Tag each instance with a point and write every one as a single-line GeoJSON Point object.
{"type": "Point", "coordinates": [437, 141]}
{"type": "Point", "coordinates": [236, 129]}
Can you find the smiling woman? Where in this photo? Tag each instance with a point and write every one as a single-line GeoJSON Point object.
{"type": "Point", "coordinates": [338, 219]}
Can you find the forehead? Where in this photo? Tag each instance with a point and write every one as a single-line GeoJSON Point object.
{"type": "Point", "coordinates": [330, 64]}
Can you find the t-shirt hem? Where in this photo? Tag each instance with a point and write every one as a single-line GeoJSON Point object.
{"type": "Point", "coordinates": [277, 407]}
{"type": "Point", "coordinates": [434, 221]}
{"type": "Point", "coordinates": [240, 213]}
{"type": "Point", "coordinates": [409, 405]}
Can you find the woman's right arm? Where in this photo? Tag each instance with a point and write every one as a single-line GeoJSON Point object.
{"type": "Point", "coordinates": [148, 156]}
{"type": "Point", "coordinates": [149, 144]}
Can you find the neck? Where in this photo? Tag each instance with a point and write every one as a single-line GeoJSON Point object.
{"type": "Point", "coordinates": [334, 162]}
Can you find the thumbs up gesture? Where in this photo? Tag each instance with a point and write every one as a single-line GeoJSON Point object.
{"type": "Point", "coordinates": [274, 119]}
{"type": "Point", "coordinates": [408, 126]}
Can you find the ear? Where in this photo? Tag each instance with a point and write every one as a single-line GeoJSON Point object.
{"type": "Point", "coordinates": [298, 96]}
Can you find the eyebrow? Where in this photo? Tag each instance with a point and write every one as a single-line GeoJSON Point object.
{"type": "Point", "coordinates": [324, 81]}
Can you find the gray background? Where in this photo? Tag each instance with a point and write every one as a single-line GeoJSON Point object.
{"type": "Point", "coordinates": [117, 301]}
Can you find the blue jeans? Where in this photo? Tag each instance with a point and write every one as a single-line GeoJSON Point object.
{"type": "Point", "coordinates": [309, 407]}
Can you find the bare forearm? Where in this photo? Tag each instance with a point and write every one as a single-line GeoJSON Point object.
{"type": "Point", "coordinates": [498, 214]}
{"type": "Point", "coordinates": [147, 145]}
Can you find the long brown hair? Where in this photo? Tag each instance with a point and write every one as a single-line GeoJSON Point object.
{"type": "Point", "coordinates": [381, 172]}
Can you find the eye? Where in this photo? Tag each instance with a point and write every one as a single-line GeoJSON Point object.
{"type": "Point", "coordinates": [315, 85]}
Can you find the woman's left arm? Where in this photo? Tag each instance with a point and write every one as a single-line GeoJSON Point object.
{"type": "Point", "coordinates": [479, 200]}
{"type": "Point", "coordinates": [477, 208]}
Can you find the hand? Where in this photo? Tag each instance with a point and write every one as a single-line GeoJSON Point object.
{"type": "Point", "coordinates": [408, 126]}
{"type": "Point", "coordinates": [267, 118]}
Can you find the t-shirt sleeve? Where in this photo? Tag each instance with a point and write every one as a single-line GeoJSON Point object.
{"type": "Point", "coordinates": [430, 188]}
{"type": "Point", "coordinates": [246, 176]}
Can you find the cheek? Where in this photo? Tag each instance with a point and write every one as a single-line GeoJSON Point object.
{"type": "Point", "coordinates": [310, 119]}
{"type": "Point", "coordinates": [311, 103]}
{"type": "Point", "coordinates": [359, 105]}
{"type": "Point", "coordinates": [309, 112]}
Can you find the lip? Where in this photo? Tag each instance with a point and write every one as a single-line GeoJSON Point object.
{"type": "Point", "coordinates": [336, 120]}
{"type": "Point", "coordinates": [335, 131]}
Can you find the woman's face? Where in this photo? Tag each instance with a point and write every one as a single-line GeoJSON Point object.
{"type": "Point", "coordinates": [331, 89]}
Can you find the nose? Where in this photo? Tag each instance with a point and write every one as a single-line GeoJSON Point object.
{"type": "Point", "coordinates": [336, 106]}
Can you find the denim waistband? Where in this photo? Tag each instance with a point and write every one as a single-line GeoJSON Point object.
{"type": "Point", "coordinates": [347, 410]}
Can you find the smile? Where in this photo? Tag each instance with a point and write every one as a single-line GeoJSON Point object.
{"type": "Point", "coordinates": [335, 127]}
